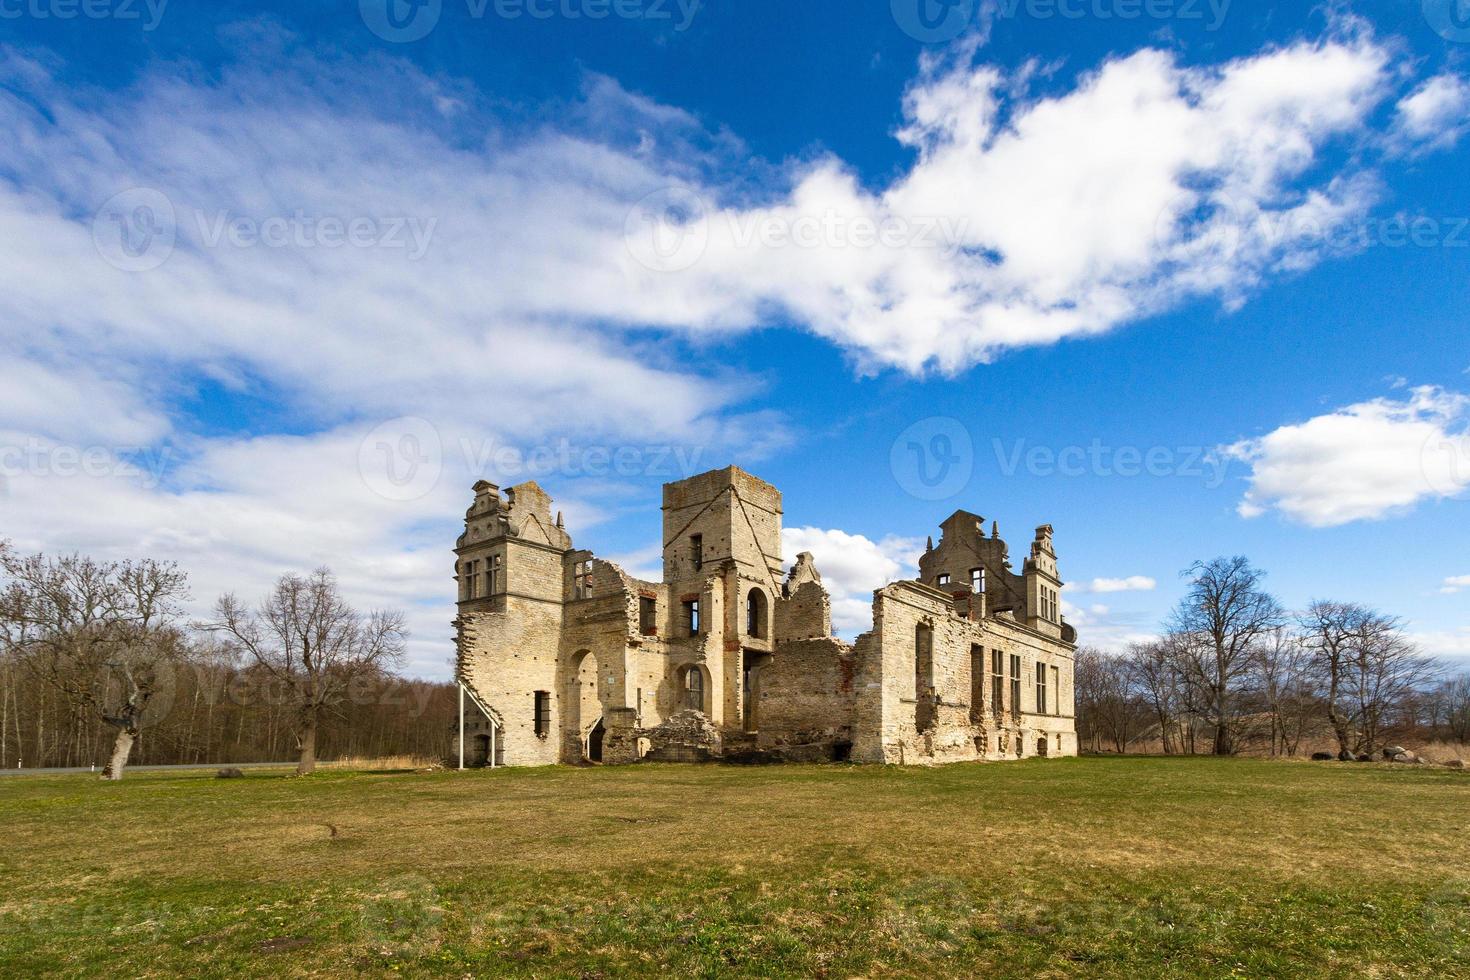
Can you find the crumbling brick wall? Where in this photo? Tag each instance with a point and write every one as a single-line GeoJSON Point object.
{"type": "Point", "coordinates": [807, 694]}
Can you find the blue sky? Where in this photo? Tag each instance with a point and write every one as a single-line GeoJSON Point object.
{"type": "Point", "coordinates": [282, 280]}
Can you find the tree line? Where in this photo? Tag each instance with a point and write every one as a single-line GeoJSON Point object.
{"type": "Point", "coordinates": [99, 667]}
{"type": "Point", "coordinates": [1236, 671]}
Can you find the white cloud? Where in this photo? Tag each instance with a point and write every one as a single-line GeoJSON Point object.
{"type": "Point", "coordinates": [1454, 584]}
{"type": "Point", "coordinates": [1449, 645]}
{"type": "Point", "coordinates": [1133, 583]}
{"type": "Point", "coordinates": [1025, 220]}
{"type": "Point", "coordinates": [853, 567]}
{"type": "Point", "coordinates": [1108, 629]}
{"type": "Point", "coordinates": [1436, 113]}
{"type": "Point", "coordinates": [1039, 219]}
{"type": "Point", "coordinates": [1361, 462]}
{"type": "Point", "coordinates": [329, 338]}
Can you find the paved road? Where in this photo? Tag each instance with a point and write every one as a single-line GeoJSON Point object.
{"type": "Point", "coordinates": [202, 765]}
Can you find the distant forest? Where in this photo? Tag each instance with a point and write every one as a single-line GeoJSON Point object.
{"type": "Point", "coordinates": [100, 667]}
{"type": "Point", "coordinates": [221, 711]}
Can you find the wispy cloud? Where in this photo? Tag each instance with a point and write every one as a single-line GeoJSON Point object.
{"type": "Point", "coordinates": [1133, 583]}
{"type": "Point", "coordinates": [1454, 584]}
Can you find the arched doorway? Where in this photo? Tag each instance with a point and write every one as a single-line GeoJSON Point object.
{"type": "Point", "coordinates": [594, 742]}
{"type": "Point", "coordinates": [583, 709]}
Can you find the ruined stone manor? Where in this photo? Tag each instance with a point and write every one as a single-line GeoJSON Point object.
{"type": "Point", "coordinates": [565, 658]}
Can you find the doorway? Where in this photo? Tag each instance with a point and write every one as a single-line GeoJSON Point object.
{"type": "Point", "coordinates": [594, 742]}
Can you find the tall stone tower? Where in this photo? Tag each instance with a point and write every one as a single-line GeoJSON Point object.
{"type": "Point", "coordinates": [722, 558]}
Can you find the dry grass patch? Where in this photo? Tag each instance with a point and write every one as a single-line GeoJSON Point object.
{"type": "Point", "coordinates": [1124, 867]}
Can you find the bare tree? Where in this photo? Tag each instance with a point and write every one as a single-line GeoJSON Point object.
{"type": "Point", "coordinates": [1288, 685]}
{"type": "Point", "coordinates": [1108, 706]}
{"type": "Point", "coordinates": [1452, 708]}
{"type": "Point", "coordinates": [306, 636]}
{"type": "Point", "coordinates": [1328, 630]}
{"type": "Point", "coordinates": [1215, 627]}
{"type": "Point", "coordinates": [101, 633]}
{"type": "Point", "coordinates": [1087, 687]}
{"type": "Point", "coordinates": [1388, 673]}
{"type": "Point", "coordinates": [1368, 669]}
{"type": "Point", "coordinates": [1156, 677]}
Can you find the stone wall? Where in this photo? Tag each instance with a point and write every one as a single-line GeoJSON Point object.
{"type": "Point", "coordinates": [806, 615]}
{"type": "Point", "coordinates": [807, 694]}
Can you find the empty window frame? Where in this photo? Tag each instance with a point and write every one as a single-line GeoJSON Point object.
{"type": "Point", "coordinates": [648, 615]}
{"type": "Point", "coordinates": [1016, 683]}
{"type": "Point", "coordinates": [543, 714]}
{"type": "Point", "coordinates": [691, 616]}
{"type": "Point", "coordinates": [694, 688]}
{"type": "Point", "coordinates": [472, 578]}
{"type": "Point", "coordinates": [977, 683]}
{"type": "Point", "coordinates": [755, 613]}
{"type": "Point", "coordinates": [582, 580]}
{"type": "Point", "coordinates": [696, 551]}
{"type": "Point", "coordinates": [997, 682]}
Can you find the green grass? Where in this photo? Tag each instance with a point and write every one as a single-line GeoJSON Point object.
{"type": "Point", "coordinates": [1091, 867]}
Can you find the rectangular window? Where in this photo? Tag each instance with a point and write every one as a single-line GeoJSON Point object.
{"type": "Point", "coordinates": [494, 580]}
{"type": "Point", "coordinates": [582, 580]}
{"type": "Point", "coordinates": [1041, 689]}
{"type": "Point", "coordinates": [977, 581]}
{"type": "Point", "coordinates": [472, 572]}
{"type": "Point", "coordinates": [977, 683]}
{"type": "Point", "coordinates": [944, 580]}
{"type": "Point", "coordinates": [691, 616]}
{"type": "Point", "coordinates": [696, 551]}
{"type": "Point", "coordinates": [1015, 683]}
{"type": "Point", "coordinates": [648, 615]}
{"type": "Point", "coordinates": [997, 683]}
{"type": "Point", "coordinates": [543, 714]}
{"type": "Point", "coordinates": [1056, 689]}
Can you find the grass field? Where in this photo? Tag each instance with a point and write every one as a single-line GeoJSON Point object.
{"type": "Point", "coordinates": [1092, 867]}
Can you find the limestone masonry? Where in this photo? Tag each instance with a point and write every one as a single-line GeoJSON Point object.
{"type": "Point", "coordinates": [571, 659]}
